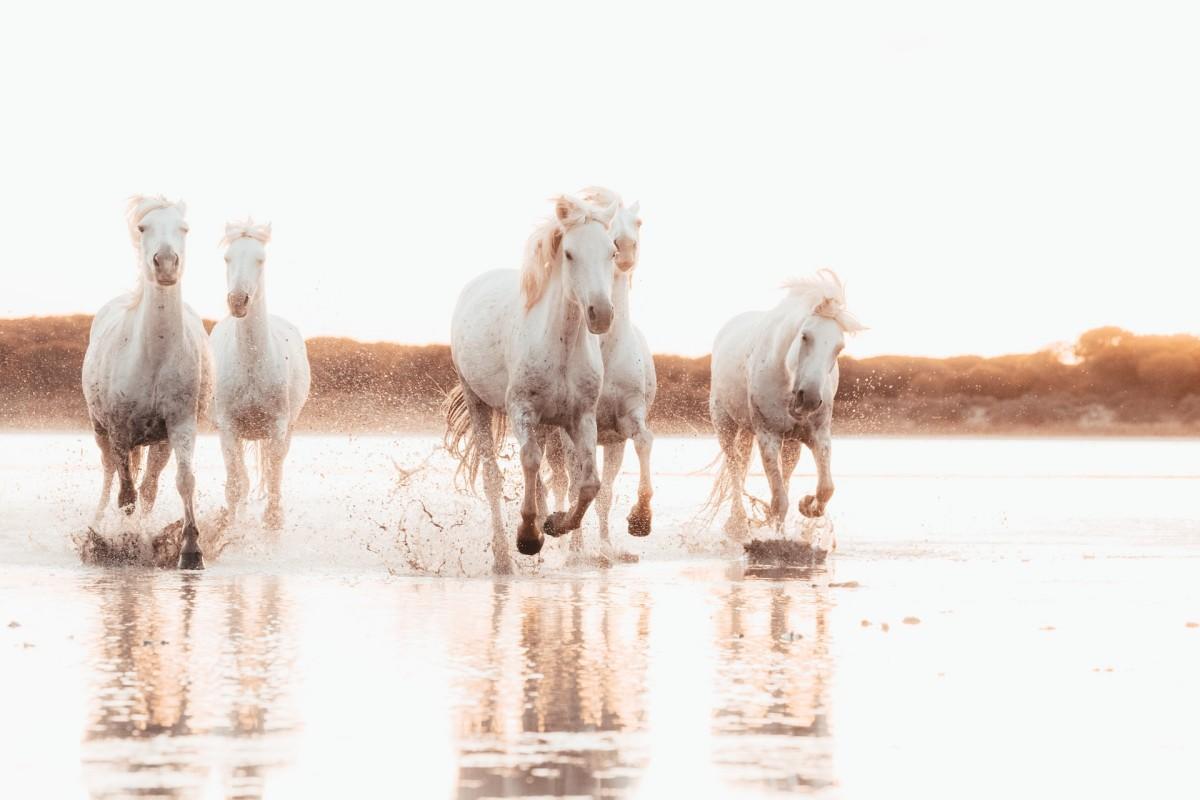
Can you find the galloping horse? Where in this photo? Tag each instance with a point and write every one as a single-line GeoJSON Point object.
{"type": "Point", "coordinates": [525, 348]}
{"type": "Point", "coordinates": [629, 384]}
{"type": "Point", "coordinates": [147, 373]}
{"type": "Point", "coordinates": [774, 378]}
{"type": "Point", "coordinates": [263, 374]}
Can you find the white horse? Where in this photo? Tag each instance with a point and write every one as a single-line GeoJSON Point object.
{"type": "Point", "coordinates": [629, 385]}
{"type": "Point", "coordinates": [524, 346]}
{"type": "Point", "coordinates": [147, 373]}
{"type": "Point", "coordinates": [263, 374]}
{"type": "Point", "coordinates": [774, 378]}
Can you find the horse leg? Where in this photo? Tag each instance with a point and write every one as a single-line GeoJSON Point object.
{"type": "Point", "coordinates": [109, 465]}
{"type": "Point", "coordinates": [529, 538]}
{"type": "Point", "coordinates": [183, 441]}
{"type": "Point", "coordinates": [126, 495]}
{"type": "Point", "coordinates": [275, 452]}
{"type": "Point", "coordinates": [822, 449]}
{"type": "Point", "coordinates": [736, 447]}
{"type": "Point", "coordinates": [493, 479]}
{"type": "Point", "coordinates": [583, 440]}
{"type": "Point", "coordinates": [237, 482]}
{"type": "Point", "coordinates": [556, 457]}
{"type": "Point", "coordinates": [769, 445]}
{"type": "Point", "coordinates": [643, 441]}
{"type": "Point", "coordinates": [160, 454]}
{"type": "Point", "coordinates": [614, 454]}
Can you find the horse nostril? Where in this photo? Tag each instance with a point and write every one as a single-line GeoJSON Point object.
{"type": "Point", "coordinates": [592, 313]}
{"type": "Point", "coordinates": [157, 263]}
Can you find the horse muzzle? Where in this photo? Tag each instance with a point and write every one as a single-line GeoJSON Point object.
{"type": "Point", "coordinates": [166, 267]}
{"type": "Point", "coordinates": [804, 404]}
{"type": "Point", "coordinates": [239, 303]}
{"type": "Point", "coordinates": [599, 317]}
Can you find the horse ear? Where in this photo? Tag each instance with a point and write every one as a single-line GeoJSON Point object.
{"type": "Point", "coordinates": [182, 206]}
{"type": "Point", "coordinates": [266, 229]}
{"type": "Point", "coordinates": [565, 209]}
{"type": "Point", "coordinates": [606, 215]}
{"type": "Point", "coordinates": [635, 208]}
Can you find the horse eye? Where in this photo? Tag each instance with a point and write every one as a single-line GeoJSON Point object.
{"type": "Point", "coordinates": [804, 337]}
{"type": "Point", "coordinates": [185, 229]}
{"type": "Point", "coordinates": [141, 228]}
{"type": "Point", "coordinates": [569, 256]}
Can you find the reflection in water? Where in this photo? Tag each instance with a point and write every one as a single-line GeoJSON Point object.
{"type": "Point", "coordinates": [556, 706]}
{"type": "Point", "coordinates": [773, 671]}
{"type": "Point", "coordinates": [558, 699]}
{"type": "Point", "coordinates": [181, 666]}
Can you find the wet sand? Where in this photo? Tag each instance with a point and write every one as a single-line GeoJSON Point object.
{"type": "Point", "coordinates": [978, 632]}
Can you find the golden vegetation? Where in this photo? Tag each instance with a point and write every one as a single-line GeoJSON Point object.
{"type": "Point", "coordinates": [1110, 381]}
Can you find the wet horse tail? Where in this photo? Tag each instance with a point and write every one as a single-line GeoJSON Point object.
{"type": "Point", "coordinates": [461, 438]}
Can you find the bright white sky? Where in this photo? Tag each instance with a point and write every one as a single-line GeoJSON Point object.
{"type": "Point", "coordinates": [988, 178]}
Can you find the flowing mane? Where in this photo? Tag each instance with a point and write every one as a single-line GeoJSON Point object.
{"type": "Point", "coordinates": [823, 294]}
{"type": "Point", "coordinates": [601, 197]}
{"type": "Point", "coordinates": [543, 252]}
{"type": "Point", "coordinates": [246, 230]}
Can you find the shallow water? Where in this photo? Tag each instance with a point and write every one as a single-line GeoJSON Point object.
{"type": "Point", "coordinates": [1048, 587]}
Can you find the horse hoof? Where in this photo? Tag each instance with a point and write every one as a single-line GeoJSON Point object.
{"type": "Point", "coordinates": [639, 522]}
{"type": "Point", "coordinates": [192, 561]}
{"type": "Point", "coordinates": [555, 524]}
{"type": "Point", "coordinates": [530, 545]}
{"type": "Point", "coordinates": [811, 506]}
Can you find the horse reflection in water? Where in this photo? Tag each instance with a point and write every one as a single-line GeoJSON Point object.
{"type": "Point", "coordinates": [156, 684]}
{"type": "Point", "coordinates": [774, 683]}
{"type": "Point", "coordinates": [552, 707]}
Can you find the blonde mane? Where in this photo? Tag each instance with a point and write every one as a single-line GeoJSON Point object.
{"type": "Point", "coordinates": [824, 295]}
{"type": "Point", "coordinates": [246, 230]}
{"type": "Point", "coordinates": [543, 250]}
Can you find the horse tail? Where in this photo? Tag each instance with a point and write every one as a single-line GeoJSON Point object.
{"type": "Point", "coordinates": [460, 438]}
{"type": "Point", "coordinates": [723, 489]}
{"type": "Point", "coordinates": [260, 465]}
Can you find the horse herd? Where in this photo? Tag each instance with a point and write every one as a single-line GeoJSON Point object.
{"type": "Point", "coordinates": [549, 350]}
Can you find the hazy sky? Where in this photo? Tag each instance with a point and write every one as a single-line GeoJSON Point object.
{"type": "Point", "coordinates": [988, 178]}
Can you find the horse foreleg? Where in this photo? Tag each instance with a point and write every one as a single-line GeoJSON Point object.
{"type": "Point", "coordinates": [183, 442]}
{"type": "Point", "coordinates": [583, 439]}
{"type": "Point", "coordinates": [276, 451]}
{"type": "Point", "coordinates": [640, 516]}
{"type": "Point", "coordinates": [160, 454]}
{"type": "Point", "coordinates": [769, 445]}
{"type": "Point", "coordinates": [529, 538]}
{"type": "Point", "coordinates": [237, 483]}
{"type": "Point", "coordinates": [126, 494]}
{"type": "Point", "coordinates": [822, 448]}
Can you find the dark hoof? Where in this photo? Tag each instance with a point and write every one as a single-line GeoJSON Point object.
{"type": "Point", "coordinates": [190, 556]}
{"type": "Point", "coordinates": [811, 506]}
{"type": "Point", "coordinates": [556, 524]}
{"type": "Point", "coordinates": [530, 545]}
{"type": "Point", "coordinates": [194, 560]}
{"type": "Point", "coordinates": [639, 521]}
{"type": "Point", "coordinates": [127, 509]}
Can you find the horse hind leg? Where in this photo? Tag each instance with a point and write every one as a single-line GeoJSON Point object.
{"type": "Point", "coordinates": [640, 515]}
{"type": "Point", "coordinates": [483, 441]}
{"type": "Point", "coordinates": [556, 446]}
{"type": "Point", "coordinates": [109, 465]}
{"type": "Point", "coordinates": [159, 455]}
{"type": "Point", "coordinates": [614, 454]}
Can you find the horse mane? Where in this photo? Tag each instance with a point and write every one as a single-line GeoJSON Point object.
{"type": "Point", "coordinates": [601, 197]}
{"type": "Point", "coordinates": [543, 249]}
{"type": "Point", "coordinates": [139, 205]}
{"type": "Point", "coordinates": [246, 230]}
{"type": "Point", "coordinates": [824, 295]}
{"type": "Point", "coordinates": [136, 209]}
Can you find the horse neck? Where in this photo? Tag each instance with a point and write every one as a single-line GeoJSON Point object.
{"type": "Point", "coordinates": [159, 319]}
{"type": "Point", "coordinates": [254, 329]}
{"type": "Point", "coordinates": [785, 327]}
{"type": "Point", "coordinates": [620, 300]}
{"type": "Point", "coordinates": [561, 319]}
